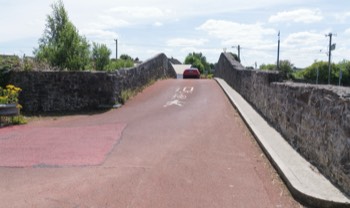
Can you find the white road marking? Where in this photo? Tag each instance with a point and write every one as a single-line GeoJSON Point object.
{"type": "Point", "coordinates": [188, 89]}
{"type": "Point", "coordinates": [174, 102]}
{"type": "Point", "coordinates": [179, 96]}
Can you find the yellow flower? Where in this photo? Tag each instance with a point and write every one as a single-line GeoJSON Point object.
{"type": "Point", "coordinates": [9, 94]}
{"type": "Point", "coordinates": [10, 86]}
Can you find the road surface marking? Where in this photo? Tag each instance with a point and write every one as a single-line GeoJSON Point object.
{"type": "Point", "coordinates": [179, 96]}
{"type": "Point", "coordinates": [174, 102]}
{"type": "Point", "coordinates": [188, 89]}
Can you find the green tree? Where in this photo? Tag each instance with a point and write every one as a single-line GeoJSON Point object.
{"type": "Point", "coordinates": [120, 64]}
{"type": "Point", "coordinates": [286, 68]}
{"type": "Point", "coordinates": [61, 45]}
{"type": "Point", "coordinates": [268, 67]}
{"type": "Point", "coordinates": [345, 67]}
{"type": "Point", "coordinates": [310, 73]}
{"type": "Point", "coordinates": [126, 57]}
{"type": "Point", "coordinates": [100, 55]}
{"type": "Point", "coordinates": [197, 60]}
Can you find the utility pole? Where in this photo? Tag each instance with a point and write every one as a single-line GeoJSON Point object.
{"type": "Point", "coordinates": [239, 51]}
{"type": "Point", "coordinates": [116, 49]}
{"type": "Point", "coordinates": [278, 51]}
{"type": "Point", "coordinates": [331, 48]}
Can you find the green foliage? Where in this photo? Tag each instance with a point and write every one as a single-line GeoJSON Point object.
{"type": "Point", "coordinates": [126, 57]}
{"type": "Point", "coordinates": [61, 45]}
{"type": "Point", "coordinates": [19, 120]}
{"type": "Point", "coordinates": [119, 64]}
{"type": "Point", "coordinates": [28, 64]}
{"type": "Point", "coordinates": [285, 67]}
{"type": "Point", "coordinates": [268, 67]}
{"type": "Point", "coordinates": [13, 120]}
{"type": "Point", "coordinates": [100, 55]}
{"type": "Point", "coordinates": [9, 62]}
{"type": "Point", "coordinates": [345, 67]}
{"type": "Point", "coordinates": [198, 61]}
{"type": "Point", "coordinates": [298, 74]}
{"type": "Point", "coordinates": [129, 93]}
{"type": "Point", "coordinates": [310, 73]}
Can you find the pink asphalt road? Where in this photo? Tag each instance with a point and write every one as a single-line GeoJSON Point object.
{"type": "Point", "coordinates": [179, 143]}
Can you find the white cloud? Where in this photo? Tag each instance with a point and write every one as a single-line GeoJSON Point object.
{"type": "Point", "coordinates": [138, 12]}
{"type": "Point", "coordinates": [305, 39]}
{"type": "Point", "coordinates": [237, 33]}
{"type": "Point", "coordinates": [342, 17]}
{"type": "Point", "coordinates": [122, 17]}
{"type": "Point", "coordinates": [304, 47]}
{"type": "Point", "coordinates": [180, 42]}
{"type": "Point", "coordinates": [299, 16]}
{"type": "Point", "coordinates": [107, 22]}
{"type": "Point", "coordinates": [102, 36]}
{"type": "Point", "coordinates": [347, 32]}
{"type": "Point", "coordinates": [158, 24]}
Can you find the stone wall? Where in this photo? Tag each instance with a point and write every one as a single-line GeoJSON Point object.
{"type": "Point", "coordinates": [75, 91]}
{"type": "Point", "coordinates": [314, 119]}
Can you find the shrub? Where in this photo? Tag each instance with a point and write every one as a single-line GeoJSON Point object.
{"type": "Point", "coordinates": [100, 55]}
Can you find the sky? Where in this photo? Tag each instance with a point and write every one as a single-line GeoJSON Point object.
{"type": "Point", "coordinates": [145, 28]}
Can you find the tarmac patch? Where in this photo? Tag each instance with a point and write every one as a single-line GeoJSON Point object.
{"type": "Point", "coordinates": [25, 146]}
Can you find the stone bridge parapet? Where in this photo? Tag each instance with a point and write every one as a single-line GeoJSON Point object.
{"type": "Point", "coordinates": [62, 91]}
{"type": "Point", "coordinates": [314, 119]}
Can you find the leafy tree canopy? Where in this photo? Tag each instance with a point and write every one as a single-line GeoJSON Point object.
{"type": "Point", "coordinates": [285, 67]}
{"type": "Point", "coordinates": [126, 57]}
{"type": "Point", "coordinates": [100, 56]}
{"type": "Point", "coordinates": [61, 45]}
{"type": "Point", "coordinates": [197, 60]}
{"type": "Point", "coordinates": [268, 67]}
{"type": "Point", "coordinates": [310, 73]}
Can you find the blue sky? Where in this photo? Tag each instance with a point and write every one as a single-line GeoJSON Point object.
{"type": "Point", "coordinates": [148, 27]}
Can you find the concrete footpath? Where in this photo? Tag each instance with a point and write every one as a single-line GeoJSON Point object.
{"type": "Point", "coordinates": [302, 179]}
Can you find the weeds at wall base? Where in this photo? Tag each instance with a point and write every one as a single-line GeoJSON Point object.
{"type": "Point", "coordinates": [125, 95]}
{"type": "Point", "coordinates": [12, 120]}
